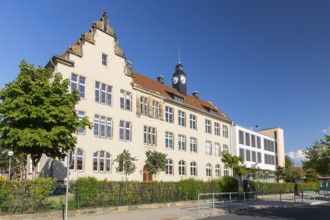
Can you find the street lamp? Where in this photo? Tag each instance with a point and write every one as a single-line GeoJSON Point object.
{"type": "Point", "coordinates": [10, 154]}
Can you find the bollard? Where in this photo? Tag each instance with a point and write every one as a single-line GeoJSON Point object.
{"type": "Point", "coordinates": [63, 212]}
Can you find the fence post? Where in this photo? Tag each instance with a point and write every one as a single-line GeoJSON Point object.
{"type": "Point", "coordinates": [230, 198]}
{"type": "Point", "coordinates": [22, 199]}
{"type": "Point", "coordinates": [213, 201]}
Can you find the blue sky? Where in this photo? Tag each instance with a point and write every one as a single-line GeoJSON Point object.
{"type": "Point", "coordinates": [262, 62]}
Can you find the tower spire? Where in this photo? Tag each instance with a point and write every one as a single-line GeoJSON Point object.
{"type": "Point", "coordinates": [179, 61]}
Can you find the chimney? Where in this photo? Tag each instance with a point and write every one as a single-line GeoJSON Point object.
{"type": "Point", "coordinates": [160, 79]}
{"type": "Point", "coordinates": [195, 94]}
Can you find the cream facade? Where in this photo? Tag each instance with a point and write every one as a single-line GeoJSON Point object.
{"type": "Point", "coordinates": [133, 112]}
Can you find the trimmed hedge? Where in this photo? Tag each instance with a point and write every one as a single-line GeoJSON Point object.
{"type": "Point", "coordinates": [90, 192]}
{"type": "Point", "coordinates": [25, 196]}
{"type": "Point", "coordinates": [262, 187]}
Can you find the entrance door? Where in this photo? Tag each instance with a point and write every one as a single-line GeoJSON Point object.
{"type": "Point", "coordinates": [146, 175]}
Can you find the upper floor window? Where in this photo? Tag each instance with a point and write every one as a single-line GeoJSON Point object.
{"type": "Point", "coordinates": [103, 93]}
{"type": "Point", "coordinates": [253, 140]}
{"type": "Point", "coordinates": [182, 142]}
{"type": "Point", "coordinates": [247, 139]}
{"type": "Point", "coordinates": [225, 149]}
{"type": "Point", "coordinates": [217, 149]}
{"type": "Point", "coordinates": [241, 137]}
{"type": "Point", "coordinates": [225, 171]}
{"type": "Point", "coordinates": [125, 100]}
{"type": "Point", "coordinates": [258, 142]}
{"type": "Point", "coordinates": [216, 128]}
{"type": "Point", "coordinates": [193, 124]}
{"type": "Point", "coordinates": [102, 126]}
{"type": "Point", "coordinates": [104, 59]}
{"type": "Point", "coordinates": [193, 145]}
{"type": "Point", "coordinates": [155, 109]}
{"type": "Point", "coordinates": [78, 82]}
{"type": "Point", "coordinates": [182, 118]}
{"type": "Point", "coordinates": [207, 126]}
{"type": "Point", "coordinates": [125, 131]}
{"type": "Point", "coordinates": [149, 136]}
{"type": "Point", "coordinates": [101, 161]}
{"type": "Point", "coordinates": [81, 115]}
{"type": "Point", "coordinates": [208, 148]}
{"type": "Point", "coordinates": [225, 131]}
{"type": "Point", "coordinates": [77, 159]}
{"type": "Point", "coordinates": [169, 167]}
{"type": "Point", "coordinates": [213, 112]}
{"type": "Point", "coordinates": [178, 99]}
{"type": "Point", "coordinates": [169, 114]}
{"type": "Point", "coordinates": [144, 105]}
{"type": "Point", "coordinates": [169, 140]}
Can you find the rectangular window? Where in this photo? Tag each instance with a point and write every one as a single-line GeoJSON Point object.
{"type": "Point", "coordinates": [217, 149]}
{"type": "Point", "coordinates": [155, 109]}
{"type": "Point", "coordinates": [258, 143]}
{"type": "Point", "coordinates": [169, 167]}
{"type": "Point", "coordinates": [182, 118]}
{"type": "Point", "coordinates": [75, 80]}
{"type": "Point", "coordinates": [103, 93]}
{"type": "Point", "coordinates": [216, 128]}
{"type": "Point", "coordinates": [169, 140]}
{"type": "Point", "coordinates": [208, 148]}
{"type": "Point", "coordinates": [169, 114]}
{"type": "Point", "coordinates": [207, 126]}
{"type": "Point", "coordinates": [247, 139]}
{"type": "Point", "coordinates": [143, 105]}
{"type": "Point", "coordinates": [104, 59]}
{"type": "Point", "coordinates": [81, 115]}
{"type": "Point", "coordinates": [259, 158]}
{"type": "Point", "coordinates": [193, 122]}
{"type": "Point", "coordinates": [149, 134]}
{"type": "Point", "coordinates": [193, 145]}
{"type": "Point", "coordinates": [182, 142]}
{"type": "Point", "coordinates": [253, 140]}
{"type": "Point", "coordinates": [241, 137]}
{"type": "Point", "coordinates": [102, 126]}
{"type": "Point", "coordinates": [248, 155]}
{"type": "Point", "coordinates": [124, 131]}
{"type": "Point", "coordinates": [254, 156]}
{"type": "Point", "coordinates": [241, 153]}
{"type": "Point", "coordinates": [125, 100]}
{"type": "Point", "coordinates": [225, 131]}
{"type": "Point", "coordinates": [225, 149]}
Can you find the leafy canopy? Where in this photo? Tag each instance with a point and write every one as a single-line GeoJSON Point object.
{"type": "Point", "coordinates": [234, 162]}
{"type": "Point", "coordinates": [155, 162]}
{"type": "Point", "coordinates": [317, 157]}
{"type": "Point", "coordinates": [125, 163]}
{"type": "Point", "coordinates": [37, 114]}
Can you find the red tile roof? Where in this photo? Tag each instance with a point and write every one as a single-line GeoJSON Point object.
{"type": "Point", "coordinates": [167, 92]}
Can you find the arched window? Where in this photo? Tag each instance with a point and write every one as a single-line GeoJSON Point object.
{"type": "Point", "coordinates": [182, 168]}
{"type": "Point", "coordinates": [208, 170]}
{"type": "Point", "coordinates": [77, 160]}
{"type": "Point", "coordinates": [193, 169]}
{"type": "Point", "coordinates": [169, 167]}
{"type": "Point", "coordinates": [217, 170]}
{"type": "Point", "coordinates": [101, 161]}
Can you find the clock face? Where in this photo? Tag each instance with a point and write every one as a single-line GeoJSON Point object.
{"type": "Point", "coordinates": [175, 80]}
{"type": "Point", "coordinates": [183, 79]}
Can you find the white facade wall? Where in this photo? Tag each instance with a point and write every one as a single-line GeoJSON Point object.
{"type": "Point", "coordinates": [248, 148]}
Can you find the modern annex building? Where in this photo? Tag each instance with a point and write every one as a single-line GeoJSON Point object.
{"type": "Point", "coordinates": [263, 148]}
{"type": "Point", "coordinates": [133, 112]}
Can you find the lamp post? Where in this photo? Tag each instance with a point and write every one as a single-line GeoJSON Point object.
{"type": "Point", "coordinates": [10, 154]}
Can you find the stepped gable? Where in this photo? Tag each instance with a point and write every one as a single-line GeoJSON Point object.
{"type": "Point", "coordinates": [167, 92]}
{"type": "Point", "coordinates": [102, 25]}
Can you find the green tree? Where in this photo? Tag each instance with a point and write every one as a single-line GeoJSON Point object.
{"type": "Point", "coordinates": [317, 157]}
{"type": "Point", "coordinates": [37, 114]}
{"type": "Point", "coordinates": [291, 175]}
{"type": "Point", "coordinates": [236, 163]}
{"type": "Point", "coordinates": [254, 171]}
{"type": "Point", "coordinates": [311, 176]}
{"type": "Point", "coordinates": [288, 162]}
{"type": "Point", "coordinates": [279, 173]}
{"type": "Point", "coordinates": [125, 163]}
{"type": "Point", "coordinates": [155, 162]}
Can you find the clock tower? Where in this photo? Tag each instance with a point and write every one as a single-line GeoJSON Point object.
{"type": "Point", "coordinates": [179, 80]}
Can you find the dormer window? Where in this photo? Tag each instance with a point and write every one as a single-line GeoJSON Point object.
{"type": "Point", "coordinates": [213, 112]}
{"type": "Point", "coordinates": [104, 59]}
{"type": "Point", "coordinates": [178, 99]}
